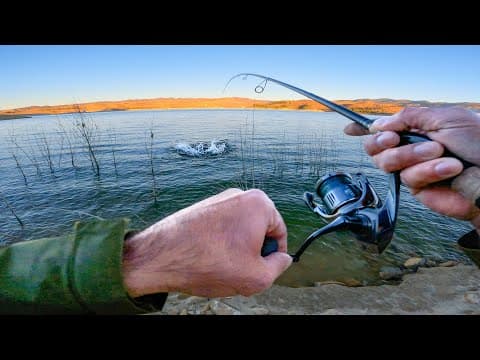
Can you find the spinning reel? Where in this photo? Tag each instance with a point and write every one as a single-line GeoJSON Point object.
{"type": "Point", "coordinates": [349, 201]}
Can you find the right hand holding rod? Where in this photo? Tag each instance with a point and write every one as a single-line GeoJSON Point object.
{"type": "Point", "coordinates": [421, 165]}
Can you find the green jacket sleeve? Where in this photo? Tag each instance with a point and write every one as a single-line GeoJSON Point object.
{"type": "Point", "coordinates": [80, 273]}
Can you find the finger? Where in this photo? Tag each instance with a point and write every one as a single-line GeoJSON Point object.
{"type": "Point", "coordinates": [447, 202]}
{"type": "Point", "coordinates": [278, 230]}
{"type": "Point", "coordinates": [429, 172]}
{"type": "Point", "coordinates": [277, 263]}
{"type": "Point", "coordinates": [402, 157]}
{"type": "Point", "coordinates": [407, 119]}
{"type": "Point", "coordinates": [354, 129]}
{"type": "Point", "coordinates": [375, 144]}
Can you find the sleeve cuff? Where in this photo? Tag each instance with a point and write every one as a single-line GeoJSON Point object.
{"type": "Point", "coordinates": [96, 270]}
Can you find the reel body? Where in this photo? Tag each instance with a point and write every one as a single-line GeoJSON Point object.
{"type": "Point", "coordinates": [351, 203]}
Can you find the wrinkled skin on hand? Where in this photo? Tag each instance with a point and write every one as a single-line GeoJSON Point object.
{"type": "Point", "coordinates": [209, 249]}
{"type": "Point", "coordinates": [421, 165]}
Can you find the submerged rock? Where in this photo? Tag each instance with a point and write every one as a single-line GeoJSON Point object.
{"type": "Point", "coordinates": [448, 263]}
{"type": "Point", "coordinates": [390, 273]}
{"type": "Point", "coordinates": [414, 263]}
{"type": "Point", "coordinates": [329, 282]}
{"type": "Point", "coordinates": [352, 282]}
{"type": "Point", "coordinates": [430, 263]}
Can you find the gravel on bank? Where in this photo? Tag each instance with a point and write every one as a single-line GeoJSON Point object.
{"type": "Point", "coordinates": [435, 290]}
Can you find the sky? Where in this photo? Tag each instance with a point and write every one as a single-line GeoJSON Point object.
{"type": "Point", "coordinates": [53, 75]}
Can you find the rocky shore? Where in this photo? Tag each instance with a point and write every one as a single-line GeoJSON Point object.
{"type": "Point", "coordinates": [417, 287]}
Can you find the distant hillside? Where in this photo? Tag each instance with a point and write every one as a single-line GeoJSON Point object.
{"type": "Point", "coordinates": [367, 106]}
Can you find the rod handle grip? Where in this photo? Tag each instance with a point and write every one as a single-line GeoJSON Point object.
{"type": "Point", "coordinates": [269, 246]}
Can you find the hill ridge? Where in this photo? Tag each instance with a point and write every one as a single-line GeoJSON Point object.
{"type": "Point", "coordinates": [369, 106]}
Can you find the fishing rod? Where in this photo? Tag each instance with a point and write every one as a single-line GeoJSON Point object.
{"type": "Point", "coordinates": [349, 201]}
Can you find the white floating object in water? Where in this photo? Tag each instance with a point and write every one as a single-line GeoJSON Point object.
{"type": "Point", "coordinates": [214, 147]}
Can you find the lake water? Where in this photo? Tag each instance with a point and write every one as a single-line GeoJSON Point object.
{"type": "Point", "coordinates": [281, 152]}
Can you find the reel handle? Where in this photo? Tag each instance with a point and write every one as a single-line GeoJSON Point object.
{"type": "Point", "coordinates": [270, 245]}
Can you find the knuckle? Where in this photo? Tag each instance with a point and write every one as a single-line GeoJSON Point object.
{"type": "Point", "coordinates": [370, 145]}
{"type": "Point", "coordinates": [410, 112]}
{"type": "Point", "coordinates": [405, 179]}
{"type": "Point", "coordinates": [258, 197]}
{"type": "Point", "coordinates": [256, 194]}
{"type": "Point", "coordinates": [386, 162]}
{"type": "Point", "coordinates": [407, 111]}
{"type": "Point", "coordinates": [413, 179]}
{"type": "Point", "coordinates": [414, 109]}
{"type": "Point", "coordinates": [232, 190]}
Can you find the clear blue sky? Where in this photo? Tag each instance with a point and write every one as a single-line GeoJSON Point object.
{"type": "Point", "coordinates": [50, 75]}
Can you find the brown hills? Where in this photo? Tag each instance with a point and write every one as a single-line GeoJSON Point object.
{"type": "Point", "coordinates": [367, 106]}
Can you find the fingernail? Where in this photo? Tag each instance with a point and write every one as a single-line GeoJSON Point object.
{"type": "Point", "coordinates": [385, 140]}
{"type": "Point", "coordinates": [426, 149]}
{"type": "Point", "coordinates": [446, 168]}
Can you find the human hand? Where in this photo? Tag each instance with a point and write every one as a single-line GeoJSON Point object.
{"type": "Point", "coordinates": [421, 164]}
{"type": "Point", "coordinates": [209, 249]}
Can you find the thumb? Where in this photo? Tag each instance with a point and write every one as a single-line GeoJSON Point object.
{"type": "Point", "coordinates": [277, 263]}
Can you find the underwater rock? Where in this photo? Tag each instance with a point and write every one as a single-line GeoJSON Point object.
{"type": "Point", "coordinates": [390, 273]}
{"type": "Point", "coordinates": [352, 282]}
{"type": "Point", "coordinates": [414, 262]}
{"type": "Point", "coordinates": [448, 263]}
{"type": "Point", "coordinates": [430, 263]}
{"type": "Point", "coordinates": [329, 282]}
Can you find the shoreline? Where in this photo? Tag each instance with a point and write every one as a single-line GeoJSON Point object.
{"type": "Point", "coordinates": [12, 117]}
{"type": "Point", "coordinates": [451, 290]}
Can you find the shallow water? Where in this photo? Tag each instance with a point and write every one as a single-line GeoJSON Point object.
{"type": "Point", "coordinates": [281, 152]}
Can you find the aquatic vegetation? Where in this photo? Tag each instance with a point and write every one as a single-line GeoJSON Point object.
{"type": "Point", "coordinates": [69, 137]}
{"type": "Point", "coordinates": [149, 149]}
{"type": "Point", "coordinates": [11, 208]}
{"type": "Point", "coordinates": [45, 150]}
{"type": "Point", "coordinates": [87, 130]}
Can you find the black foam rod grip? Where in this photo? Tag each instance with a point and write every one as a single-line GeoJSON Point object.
{"type": "Point", "coordinates": [270, 245]}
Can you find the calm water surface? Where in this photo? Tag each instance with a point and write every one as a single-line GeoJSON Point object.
{"type": "Point", "coordinates": [281, 152]}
